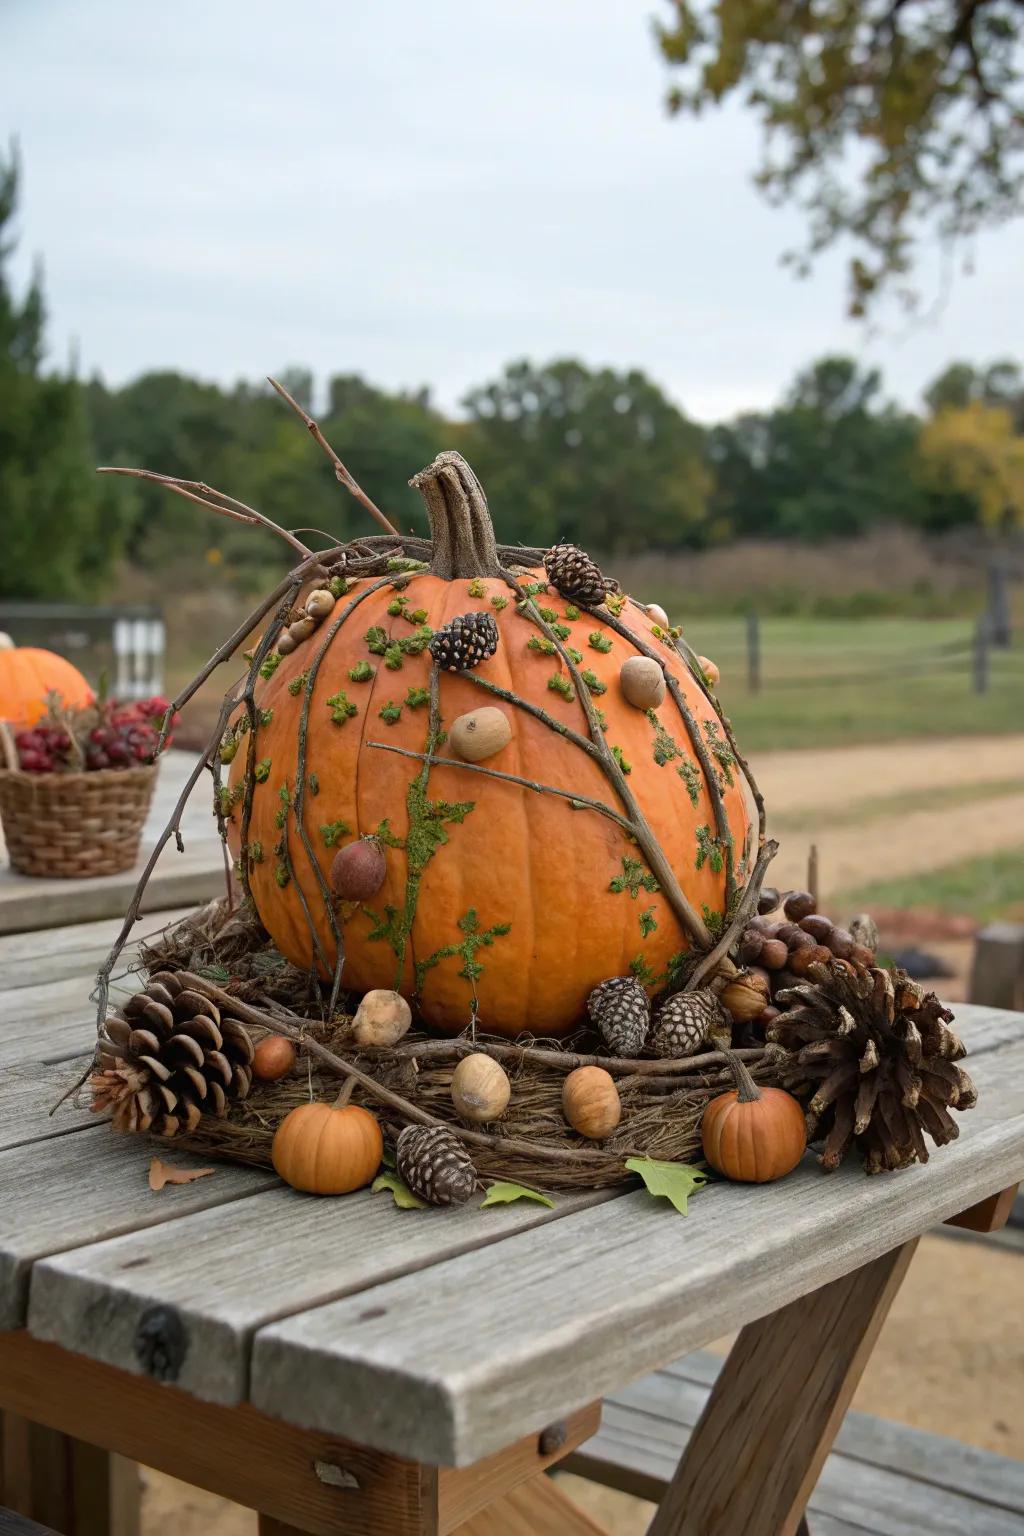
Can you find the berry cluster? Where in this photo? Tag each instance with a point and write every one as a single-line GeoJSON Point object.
{"type": "Point", "coordinates": [106, 734]}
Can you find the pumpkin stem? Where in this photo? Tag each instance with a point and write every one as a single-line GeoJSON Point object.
{"type": "Point", "coordinates": [348, 1088]}
{"type": "Point", "coordinates": [460, 524]}
{"type": "Point", "coordinates": [746, 1089]}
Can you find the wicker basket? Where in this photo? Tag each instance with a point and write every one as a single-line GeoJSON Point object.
{"type": "Point", "coordinates": [75, 824]}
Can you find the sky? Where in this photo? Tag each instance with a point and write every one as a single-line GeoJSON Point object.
{"type": "Point", "coordinates": [420, 193]}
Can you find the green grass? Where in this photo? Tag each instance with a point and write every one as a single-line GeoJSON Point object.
{"type": "Point", "coordinates": [836, 682]}
{"type": "Point", "coordinates": [985, 888]}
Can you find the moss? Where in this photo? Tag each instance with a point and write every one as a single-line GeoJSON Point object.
{"type": "Point", "coordinates": [337, 586]}
{"type": "Point", "coordinates": [271, 664]}
{"type": "Point", "coordinates": [642, 971]}
{"type": "Point", "coordinates": [572, 612]}
{"type": "Point", "coordinates": [622, 760]}
{"type": "Point", "coordinates": [591, 678]}
{"type": "Point", "coordinates": [261, 772]}
{"type": "Point", "coordinates": [720, 751]}
{"type": "Point", "coordinates": [222, 801]}
{"type": "Point", "coordinates": [548, 615]}
{"type": "Point", "coordinates": [676, 969]}
{"type": "Point", "coordinates": [562, 631]}
{"type": "Point", "coordinates": [297, 684]}
{"type": "Point", "coordinates": [615, 602]}
{"type": "Point", "coordinates": [342, 709]}
{"type": "Point", "coordinates": [709, 851]}
{"type": "Point", "coordinates": [314, 784]}
{"type": "Point", "coordinates": [402, 563]}
{"type": "Point", "coordinates": [666, 748]}
{"type": "Point", "coordinates": [544, 646]}
{"type": "Point", "coordinates": [476, 588]}
{"type": "Point", "coordinates": [499, 602]}
{"type": "Point", "coordinates": [330, 832]}
{"type": "Point", "coordinates": [281, 875]}
{"type": "Point", "coordinates": [714, 922]}
{"type": "Point", "coordinates": [599, 641]}
{"type": "Point", "coordinates": [531, 588]}
{"type": "Point", "coordinates": [376, 638]}
{"type": "Point", "coordinates": [396, 605]}
{"type": "Point", "coordinates": [599, 716]}
{"type": "Point", "coordinates": [417, 616]}
{"type": "Point", "coordinates": [634, 879]}
{"type": "Point", "coordinates": [475, 938]}
{"type": "Point", "coordinates": [382, 833]}
{"type": "Point", "coordinates": [413, 644]}
{"type": "Point", "coordinates": [265, 716]}
{"type": "Point", "coordinates": [648, 922]}
{"type": "Point", "coordinates": [254, 852]}
{"type": "Point", "coordinates": [417, 697]}
{"type": "Point", "coordinates": [361, 672]}
{"type": "Point", "coordinates": [574, 655]}
{"type": "Point", "coordinates": [562, 685]}
{"type": "Point", "coordinates": [228, 747]}
{"type": "Point", "coordinates": [393, 658]}
{"type": "Point", "coordinates": [242, 728]}
{"type": "Point", "coordinates": [391, 712]}
{"type": "Point", "coordinates": [690, 775]}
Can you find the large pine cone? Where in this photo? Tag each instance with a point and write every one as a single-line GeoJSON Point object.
{"type": "Point", "coordinates": [572, 573]}
{"type": "Point", "coordinates": [686, 1021]}
{"type": "Point", "coordinates": [169, 1057]}
{"type": "Point", "coordinates": [435, 1165]}
{"type": "Point", "coordinates": [875, 1060]}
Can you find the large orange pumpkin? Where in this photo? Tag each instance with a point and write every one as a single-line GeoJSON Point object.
{"type": "Point", "coordinates": [28, 674]}
{"type": "Point", "coordinates": [498, 901]}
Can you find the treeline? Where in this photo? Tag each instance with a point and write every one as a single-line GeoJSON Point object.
{"type": "Point", "coordinates": [598, 456]}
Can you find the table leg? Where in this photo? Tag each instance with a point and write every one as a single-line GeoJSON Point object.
{"type": "Point", "coordinates": [64, 1483]}
{"type": "Point", "coordinates": [759, 1446]}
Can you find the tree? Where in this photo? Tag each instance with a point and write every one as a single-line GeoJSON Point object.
{"type": "Point", "coordinates": [973, 451]}
{"type": "Point", "coordinates": [881, 118]}
{"type": "Point", "coordinates": [598, 457]}
{"type": "Point", "coordinates": [60, 534]}
{"type": "Point", "coordinates": [1000, 384]}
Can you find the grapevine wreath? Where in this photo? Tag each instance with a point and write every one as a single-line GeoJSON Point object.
{"type": "Point", "coordinates": [498, 869]}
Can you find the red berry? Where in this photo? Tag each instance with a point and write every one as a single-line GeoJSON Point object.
{"type": "Point", "coordinates": [34, 761]}
{"type": "Point", "coordinates": [118, 752]}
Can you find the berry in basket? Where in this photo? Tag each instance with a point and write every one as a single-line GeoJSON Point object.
{"type": "Point", "coordinates": [105, 734]}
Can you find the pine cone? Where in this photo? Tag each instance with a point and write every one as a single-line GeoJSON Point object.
{"type": "Point", "coordinates": [168, 1058]}
{"type": "Point", "coordinates": [876, 1061]}
{"type": "Point", "coordinates": [465, 642]}
{"type": "Point", "coordinates": [572, 573]}
{"type": "Point", "coordinates": [620, 1011]}
{"type": "Point", "coordinates": [435, 1165]}
{"type": "Point", "coordinates": [686, 1021]}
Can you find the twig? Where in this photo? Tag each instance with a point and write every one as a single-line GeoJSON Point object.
{"type": "Point", "coordinates": [742, 915]}
{"type": "Point", "coordinates": [341, 473]}
{"type": "Point", "coordinates": [509, 778]}
{"type": "Point", "coordinates": [199, 492]}
{"type": "Point", "coordinates": [643, 1066]}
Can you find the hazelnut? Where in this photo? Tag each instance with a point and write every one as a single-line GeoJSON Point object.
{"type": "Point", "coordinates": [751, 944]}
{"type": "Point", "coordinates": [642, 682]}
{"type": "Point", "coordinates": [768, 900]}
{"type": "Point", "coordinates": [480, 1088]}
{"type": "Point", "coordinates": [840, 942]}
{"type": "Point", "coordinates": [590, 1102]}
{"type": "Point", "coordinates": [799, 904]}
{"type": "Point", "coordinates": [774, 954]}
{"type": "Point", "coordinates": [818, 926]}
{"type": "Point", "coordinates": [747, 995]}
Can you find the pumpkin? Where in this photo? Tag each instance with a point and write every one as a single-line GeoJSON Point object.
{"type": "Point", "coordinates": [28, 674]}
{"type": "Point", "coordinates": [327, 1149]}
{"type": "Point", "coordinates": [500, 902]}
{"type": "Point", "coordinates": [753, 1134]}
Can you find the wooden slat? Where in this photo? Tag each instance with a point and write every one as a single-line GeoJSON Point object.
{"type": "Point", "coordinates": [538, 1508]}
{"type": "Point", "coordinates": [30, 1092]}
{"type": "Point", "coordinates": [59, 1194]}
{"type": "Point", "coordinates": [44, 1022]}
{"type": "Point", "coordinates": [77, 950]}
{"type": "Point", "coordinates": [561, 1315]}
{"type": "Point", "coordinates": [226, 1272]}
{"type": "Point", "coordinates": [179, 879]}
{"type": "Point", "coordinates": [72, 1486]}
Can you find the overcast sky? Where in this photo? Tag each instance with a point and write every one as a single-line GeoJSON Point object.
{"type": "Point", "coordinates": [419, 192]}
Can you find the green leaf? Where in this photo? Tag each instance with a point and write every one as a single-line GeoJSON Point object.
{"type": "Point", "coordinates": [403, 1195]}
{"type": "Point", "coordinates": [500, 1193]}
{"type": "Point", "coordinates": [674, 1181]}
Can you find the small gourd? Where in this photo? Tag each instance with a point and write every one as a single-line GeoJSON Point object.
{"type": "Point", "coordinates": [319, 604]}
{"type": "Point", "coordinates": [328, 1149]}
{"type": "Point", "coordinates": [301, 629]}
{"type": "Point", "coordinates": [381, 1019]}
{"type": "Point", "coordinates": [273, 1059]}
{"type": "Point", "coordinates": [358, 870]}
{"type": "Point", "coordinates": [480, 734]}
{"type": "Point", "coordinates": [656, 612]}
{"type": "Point", "coordinates": [591, 1103]}
{"type": "Point", "coordinates": [642, 682]}
{"type": "Point", "coordinates": [747, 995]}
{"type": "Point", "coordinates": [753, 1134]}
{"type": "Point", "coordinates": [711, 672]}
{"type": "Point", "coordinates": [480, 1088]}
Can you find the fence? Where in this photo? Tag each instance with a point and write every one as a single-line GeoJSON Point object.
{"type": "Point", "coordinates": [126, 643]}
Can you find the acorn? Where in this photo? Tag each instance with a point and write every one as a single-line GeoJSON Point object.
{"type": "Point", "coordinates": [358, 870]}
{"type": "Point", "coordinates": [480, 734]}
{"type": "Point", "coordinates": [590, 1102]}
{"type": "Point", "coordinates": [273, 1059]}
{"type": "Point", "coordinates": [768, 900]}
{"type": "Point", "coordinates": [381, 1019]}
{"type": "Point", "coordinates": [799, 904]}
{"type": "Point", "coordinates": [800, 939]}
{"type": "Point", "coordinates": [642, 682]}
{"type": "Point", "coordinates": [656, 612]}
{"type": "Point", "coordinates": [285, 644]}
{"type": "Point", "coordinates": [319, 604]}
{"type": "Point", "coordinates": [301, 629]}
{"type": "Point", "coordinates": [710, 671]}
{"type": "Point", "coordinates": [747, 995]}
{"type": "Point", "coordinates": [480, 1088]}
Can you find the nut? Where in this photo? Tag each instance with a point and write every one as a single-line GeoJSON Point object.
{"type": "Point", "coordinates": [642, 682]}
{"type": "Point", "coordinates": [285, 644]}
{"type": "Point", "coordinates": [751, 944]}
{"type": "Point", "coordinates": [768, 900]}
{"type": "Point", "coordinates": [748, 995]}
{"type": "Point", "coordinates": [774, 954]}
{"type": "Point", "coordinates": [799, 904]}
{"type": "Point", "coordinates": [840, 942]}
{"type": "Point", "coordinates": [801, 960]}
{"type": "Point", "coordinates": [818, 926]}
{"type": "Point", "coordinates": [480, 734]}
{"type": "Point", "coordinates": [358, 870]}
{"type": "Point", "coordinates": [381, 1019]}
{"type": "Point", "coordinates": [710, 671]}
{"type": "Point", "coordinates": [590, 1102]}
{"type": "Point", "coordinates": [480, 1088]}
{"type": "Point", "coordinates": [319, 604]}
{"type": "Point", "coordinates": [658, 614]}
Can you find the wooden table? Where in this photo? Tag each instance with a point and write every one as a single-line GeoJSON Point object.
{"type": "Point", "coordinates": [342, 1366]}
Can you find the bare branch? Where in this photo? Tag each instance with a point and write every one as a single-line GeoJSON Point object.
{"type": "Point", "coordinates": [348, 481]}
{"type": "Point", "coordinates": [199, 492]}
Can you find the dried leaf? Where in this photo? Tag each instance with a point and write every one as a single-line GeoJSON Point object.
{"type": "Point", "coordinates": [161, 1173]}
{"type": "Point", "coordinates": [403, 1195]}
{"type": "Point", "coordinates": [501, 1193]}
{"type": "Point", "coordinates": [675, 1181]}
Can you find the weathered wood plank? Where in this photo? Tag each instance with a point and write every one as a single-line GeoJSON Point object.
{"type": "Point", "coordinates": [52, 1022]}
{"type": "Point", "coordinates": [59, 1194]}
{"type": "Point", "coordinates": [179, 879]}
{"type": "Point", "coordinates": [77, 950]}
{"type": "Point", "coordinates": [30, 1092]}
{"type": "Point", "coordinates": [564, 1314]}
{"type": "Point", "coordinates": [223, 1273]}
{"type": "Point", "coordinates": [71, 1485]}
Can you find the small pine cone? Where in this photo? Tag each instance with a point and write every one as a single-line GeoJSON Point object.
{"type": "Point", "coordinates": [620, 1011]}
{"type": "Point", "coordinates": [435, 1165]}
{"type": "Point", "coordinates": [468, 640]}
{"type": "Point", "coordinates": [686, 1021]}
{"type": "Point", "coordinates": [168, 1058]}
{"type": "Point", "coordinates": [571, 572]}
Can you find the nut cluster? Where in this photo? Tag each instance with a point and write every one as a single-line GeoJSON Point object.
{"type": "Point", "coordinates": [318, 605]}
{"type": "Point", "coordinates": [779, 954]}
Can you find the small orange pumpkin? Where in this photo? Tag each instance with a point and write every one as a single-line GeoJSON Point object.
{"type": "Point", "coordinates": [753, 1134]}
{"type": "Point", "coordinates": [328, 1149]}
{"type": "Point", "coordinates": [28, 674]}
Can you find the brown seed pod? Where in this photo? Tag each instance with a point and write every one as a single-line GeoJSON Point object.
{"type": "Point", "coordinates": [817, 925]}
{"type": "Point", "coordinates": [591, 1103]}
{"type": "Point", "coordinates": [801, 960]}
{"type": "Point", "coordinates": [774, 954]}
{"type": "Point", "coordinates": [285, 644]}
{"type": "Point", "coordinates": [768, 900]}
{"type": "Point", "coordinates": [751, 944]}
{"type": "Point", "coordinates": [798, 904]}
{"type": "Point", "coordinates": [840, 942]}
{"type": "Point", "coordinates": [747, 995]}
{"type": "Point", "coordinates": [358, 870]}
{"type": "Point", "coordinates": [273, 1058]}
{"type": "Point", "coordinates": [801, 940]}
